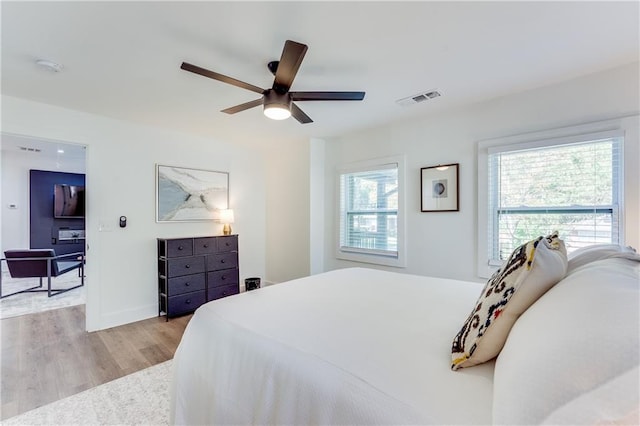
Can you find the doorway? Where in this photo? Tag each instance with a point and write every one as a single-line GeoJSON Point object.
{"type": "Point", "coordinates": [20, 156]}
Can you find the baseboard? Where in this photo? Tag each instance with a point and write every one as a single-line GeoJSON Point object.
{"type": "Point", "coordinates": [127, 316]}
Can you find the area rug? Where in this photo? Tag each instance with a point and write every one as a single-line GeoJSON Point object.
{"type": "Point", "coordinates": [29, 303]}
{"type": "Point", "coordinates": [141, 398]}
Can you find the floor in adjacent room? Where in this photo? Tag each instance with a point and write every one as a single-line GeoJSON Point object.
{"type": "Point", "coordinates": [32, 302]}
{"type": "Point", "coordinates": [48, 356]}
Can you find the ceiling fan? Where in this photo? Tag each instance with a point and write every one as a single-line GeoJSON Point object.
{"type": "Point", "coordinates": [278, 100]}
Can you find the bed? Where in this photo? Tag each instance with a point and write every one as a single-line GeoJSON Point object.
{"type": "Point", "coordinates": [366, 346]}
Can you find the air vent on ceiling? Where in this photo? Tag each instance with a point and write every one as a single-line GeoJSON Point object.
{"type": "Point", "coordinates": [29, 149]}
{"type": "Point", "coordinates": [418, 98]}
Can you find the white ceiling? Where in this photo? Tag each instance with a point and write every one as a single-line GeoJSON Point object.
{"type": "Point", "coordinates": [122, 59]}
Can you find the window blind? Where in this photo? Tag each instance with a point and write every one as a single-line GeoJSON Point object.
{"type": "Point", "coordinates": [572, 187]}
{"type": "Point", "coordinates": [369, 210]}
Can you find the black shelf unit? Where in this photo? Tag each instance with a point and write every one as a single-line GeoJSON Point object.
{"type": "Point", "coordinates": [196, 270]}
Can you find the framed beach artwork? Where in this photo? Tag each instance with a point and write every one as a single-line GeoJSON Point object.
{"type": "Point", "coordinates": [439, 188]}
{"type": "Point", "coordinates": [190, 195]}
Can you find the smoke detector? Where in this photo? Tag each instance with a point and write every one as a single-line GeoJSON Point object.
{"type": "Point", "coordinates": [49, 65]}
{"type": "Point", "coordinates": [418, 98]}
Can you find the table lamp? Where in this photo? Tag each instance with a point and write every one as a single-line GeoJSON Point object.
{"type": "Point", "coordinates": [226, 217]}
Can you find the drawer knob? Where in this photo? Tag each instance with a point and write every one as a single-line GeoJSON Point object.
{"type": "Point", "coordinates": [224, 277]}
{"type": "Point", "coordinates": [188, 301]}
{"type": "Point", "coordinates": [206, 246]}
{"type": "Point", "coordinates": [227, 244]}
{"type": "Point", "coordinates": [222, 261]}
{"type": "Point", "coordinates": [187, 266]}
{"type": "Point", "coordinates": [180, 248]}
{"type": "Point", "coordinates": [187, 284]}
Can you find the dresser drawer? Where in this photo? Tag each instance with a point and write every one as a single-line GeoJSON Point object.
{"type": "Point", "coordinates": [222, 261]}
{"type": "Point", "coordinates": [229, 243]}
{"type": "Point", "coordinates": [187, 302]}
{"type": "Point", "coordinates": [187, 266]}
{"type": "Point", "coordinates": [205, 245]}
{"type": "Point", "coordinates": [186, 284]}
{"type": "Point", "coordinates": [222, 291]}
{"type": "Point", "coordinates": [177, 248]}
{"type": "Point", "coordinates": [222, 278]}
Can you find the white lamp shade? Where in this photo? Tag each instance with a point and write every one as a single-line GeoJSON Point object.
{"type": "Point", "coordinates": [226, 216]}
{"type": "Point", "coordinates": [276, 112]}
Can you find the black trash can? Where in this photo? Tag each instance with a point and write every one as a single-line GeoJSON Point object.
{"type": "Point", "coordinates": [251, 283]}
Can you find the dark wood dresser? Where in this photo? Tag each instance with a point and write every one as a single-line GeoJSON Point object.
{"type": "Point", "coordinates": [193, 271]}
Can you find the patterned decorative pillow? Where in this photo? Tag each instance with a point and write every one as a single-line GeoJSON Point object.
{"type": "Point", "coordinates": [531, 270]}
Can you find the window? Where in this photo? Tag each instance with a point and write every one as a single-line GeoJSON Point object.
{"type": "Point", "coordinates": [572, 185]}
{"type": "Point", "coordinates": [370, 213]}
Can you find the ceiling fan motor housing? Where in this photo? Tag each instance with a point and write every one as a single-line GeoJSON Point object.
{"type": "Point", "coordinates": [272, 97]}
{"type": "Point", "coordinates": [276, 105]}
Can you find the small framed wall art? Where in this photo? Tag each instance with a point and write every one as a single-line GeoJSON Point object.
{"type": "Point", "coordinates": [439, 188]}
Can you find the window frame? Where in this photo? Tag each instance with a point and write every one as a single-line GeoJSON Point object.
{"type": "Point", "coordinates": [555, 137]}
{"type": "Point", "coordinates": [370, 255]}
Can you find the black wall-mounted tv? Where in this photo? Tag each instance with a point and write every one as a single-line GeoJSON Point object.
{"type": "Point", "coordinates": [68, 201]}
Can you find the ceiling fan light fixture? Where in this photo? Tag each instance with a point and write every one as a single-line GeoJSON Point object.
{"type": "Point", "coordinates": [277, 112]}
{"type": "Point", "coordinates": [277, 106]}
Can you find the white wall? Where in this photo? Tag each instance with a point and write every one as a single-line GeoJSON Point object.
{"type": "Point", "coordinates": [444, 244]}
{"type": "Point", "coordinates": [120, 161]}
{"type": "Point", "coordinates": [1, 191]}
{"type": "Point", "coordinates": [287, 179]}
{"type": "Point", "coordinates": [316, 205]}
{"type": "Point", "coordinates": [15, 190]}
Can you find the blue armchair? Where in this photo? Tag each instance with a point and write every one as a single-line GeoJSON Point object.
{"type": "Point", "coordinates": [41, 263]}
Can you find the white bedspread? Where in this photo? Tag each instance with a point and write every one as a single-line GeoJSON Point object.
{"type": "Point", "coordinates": [351, 346]}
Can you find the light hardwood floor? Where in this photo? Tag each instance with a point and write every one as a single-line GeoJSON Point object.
{"type": "Point", "coordinates": [48, 356]}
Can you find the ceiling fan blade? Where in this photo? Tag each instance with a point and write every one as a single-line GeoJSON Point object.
{"type": "Point", "coordinates": [220, 77]}
{"type": "Point", "coordinates": [290, 61]}
{"type": "Point", "coordinates": [243, 106]}
{"type": "Point", "coordinates": [327, 96]}
{"type": "Point", "coordinates": [299, 115]}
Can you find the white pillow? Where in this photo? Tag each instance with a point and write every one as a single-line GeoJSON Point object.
{"type": "Point", "coordinates": [589, 254]}
{"type": "Point", "coordinates": [531, 270]}
{"type": "Point", "coordinates": [581, 334]}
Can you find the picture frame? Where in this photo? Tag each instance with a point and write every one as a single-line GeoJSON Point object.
{"type": "Point", "coordinates": [190, 195]}
{"type": "Point", "coordinates": [439, 188]}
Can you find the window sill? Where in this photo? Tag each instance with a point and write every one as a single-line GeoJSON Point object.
{"type": "Point", "coordinates": [397, 262]}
